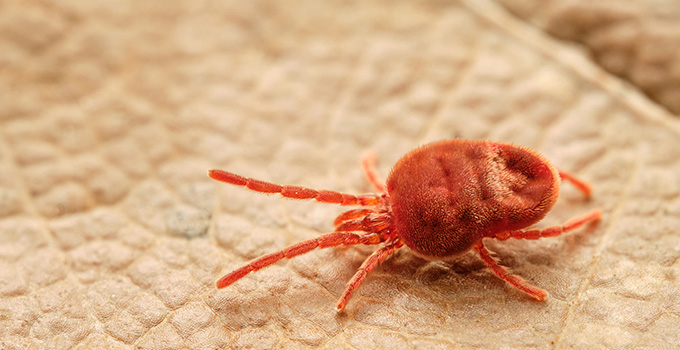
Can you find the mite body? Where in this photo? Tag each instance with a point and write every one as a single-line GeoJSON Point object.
{"type": "Point", "coordinates": [440, 200]}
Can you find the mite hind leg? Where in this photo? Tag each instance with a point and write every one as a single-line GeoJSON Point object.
{"type": "Point", "coordinates": [581, 185]}
{"type": "Point", "coordinates": [552, 231]}
{"type": "Point", "coordinates": [502, 273]}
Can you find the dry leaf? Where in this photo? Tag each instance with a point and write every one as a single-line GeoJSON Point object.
{"type": "Point", "coordinates": [638, 40]}
{"type": "Point", "coordinates": [112, 236]}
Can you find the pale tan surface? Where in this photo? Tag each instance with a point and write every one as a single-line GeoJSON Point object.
{"type": "Point", "coordinates": [638, 40]}
{"type": "Point", "coordinates": [112, 236]}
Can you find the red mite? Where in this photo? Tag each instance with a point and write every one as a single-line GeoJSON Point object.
{"type": "Point", "coordinates": [440, 200]}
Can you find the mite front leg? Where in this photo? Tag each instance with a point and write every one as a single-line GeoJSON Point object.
{"type": "Point", "coordinates": [294, 192]}
{"type": "Point", "coordinates": [351, 215]}
{"type": "Point", "coordinates": [368, 164]}
{"type": "Point", "coordinates": [503, 274]}
{"type": "Point", "coordinates": [551, 231]}
{"type": "Point", "coordinates": [369, 264]}
{"type": "Point", "coordinates": [324, 241]}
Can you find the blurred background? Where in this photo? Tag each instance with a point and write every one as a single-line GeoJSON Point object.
{"type": "Point", "coordinates": [112, 236]}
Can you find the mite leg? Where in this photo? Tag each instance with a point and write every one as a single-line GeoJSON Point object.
{"type": "Point", "coordinates": [369, 223]}
{"type": "Point", "coordinates": [295, 192]}
{"type": "Point", "coordinates": [551, 231]}
{"type": "Point", "coordinates": [351, 215]}
{"type": "Point", "coordinates": [369, 264]}
{"type": "Point", "coordinates": [333, 239]}
{"type": "Point", "coordinates": [578, 183]}
{"type": "Point", "coordinates": [368, 163]}
{"type": "Point", "coordinates": [503, 274]}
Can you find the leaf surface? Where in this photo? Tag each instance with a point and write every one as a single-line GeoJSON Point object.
{"type": "Point", "coordinates": [112, 236]}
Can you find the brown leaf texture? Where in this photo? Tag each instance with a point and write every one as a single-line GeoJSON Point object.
{"type": "Point", "coordinates": [638, 40]}
{"type": "Point", "coordinates": [112, 236]}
